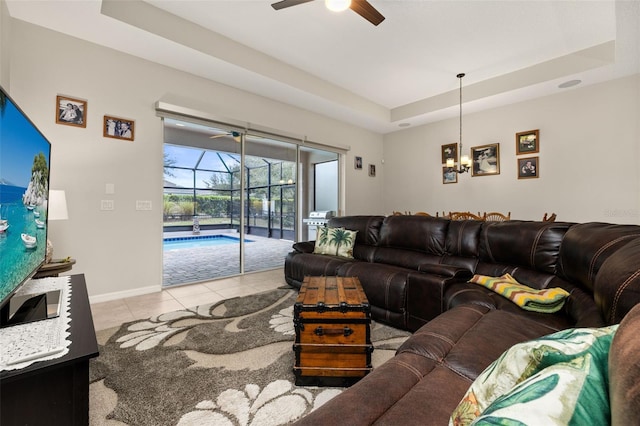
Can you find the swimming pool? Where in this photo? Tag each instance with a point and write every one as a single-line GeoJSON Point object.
{"type": "Point", "coordinates": [199, 241]}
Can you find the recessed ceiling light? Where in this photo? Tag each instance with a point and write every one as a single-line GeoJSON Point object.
{"type": "Point", "coordinates": [404, 124]}
{"type": "Point", "coordinates": [179, 124]}
{"type": "Point", "coordinates": [569, 83]}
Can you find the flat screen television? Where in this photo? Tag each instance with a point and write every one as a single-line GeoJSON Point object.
{"type": "Point", "coordinates": [25, 156]}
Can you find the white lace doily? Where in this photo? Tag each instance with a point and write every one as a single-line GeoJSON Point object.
{"type": "Point", "coordinates": [22, 340]}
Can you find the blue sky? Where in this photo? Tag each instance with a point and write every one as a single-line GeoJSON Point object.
{"type": "Point", "coordinates": [20, 142]}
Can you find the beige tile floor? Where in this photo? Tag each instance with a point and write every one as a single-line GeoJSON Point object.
{"type": "Point", "coordinates": [115, 312]}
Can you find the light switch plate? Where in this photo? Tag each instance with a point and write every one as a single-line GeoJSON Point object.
{"type": "Point", "coordinates": [107, 205]}
{"type": "Point", "coordinates": [143, 205]}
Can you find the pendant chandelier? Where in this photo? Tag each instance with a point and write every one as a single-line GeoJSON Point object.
{"type": "Point", "coordinates": [464, 161]}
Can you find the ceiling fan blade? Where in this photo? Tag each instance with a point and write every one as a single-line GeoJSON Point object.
{"type": "Point", "coordinates": [368, 12]}
{"type": "Point", "coordinates": [288, 3]}
{"type": "Point", "coordinates": [235, 135]}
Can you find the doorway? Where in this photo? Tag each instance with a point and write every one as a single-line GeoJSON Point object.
{"type": "Point", "coordinates": [233, 201]}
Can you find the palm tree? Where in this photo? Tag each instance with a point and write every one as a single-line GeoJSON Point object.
{"type": "Point", "coordinates": [322, 236]}
{"type": "Point", "coordinates": [341, 236]}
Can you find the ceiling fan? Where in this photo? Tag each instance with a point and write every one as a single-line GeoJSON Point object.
{"type": "Point", "coordinates": [361, 7]}
{"type": "Point", "coordinates": [235, 135]}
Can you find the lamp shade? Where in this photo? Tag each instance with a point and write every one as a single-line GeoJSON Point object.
{"type": "Point", "coordinates": [57, 205]}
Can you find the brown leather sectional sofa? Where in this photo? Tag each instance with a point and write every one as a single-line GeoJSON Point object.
{"type": "Point", "coordinates": [414, 270]}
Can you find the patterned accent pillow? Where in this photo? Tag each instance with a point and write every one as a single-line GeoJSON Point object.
{"type": "Point", "coordinates": [335, 242]}
{"type": "Point", "coordinates": [322, 242]}
{"type": "Point", "coordinates": [560, 379]}
{"type": "Point", "coordinates": [547, 300]}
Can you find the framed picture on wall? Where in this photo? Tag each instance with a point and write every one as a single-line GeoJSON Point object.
{"type": "Point", "coordinates": [486, 160]}
{"type": "Point", "coordinates": [449, 151]}
{"type": "Point", "coordinates": [372, 170]}
{"type": "Point", "coordinates": [70, 111]}
{"type": "Point", "coordinates": [528, 167]}
{"type": "Point", "coordinates": [528, 142]}
{"type": "Point", "coordinates": [449, 175]}
{"type": "Point", "coordinates": [357, 163]}
{"type": "Point", "coordinates": [118, 128]}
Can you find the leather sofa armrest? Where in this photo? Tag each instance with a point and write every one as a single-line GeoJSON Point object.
{"type": "Point", "coordinates": [445, 270]}
{"type": "Point", "coordinates": [624, 371]}
{"type": "Point", "coordinates": [582, 309]}
{"type": "Point", "coordinates": [304, 246]}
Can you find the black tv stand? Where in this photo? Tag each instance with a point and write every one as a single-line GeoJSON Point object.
{"type": "Point", "coordinates": [55, 392]}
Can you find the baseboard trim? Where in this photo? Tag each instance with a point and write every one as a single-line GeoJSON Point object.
{"type": "Point", "coordinates": [107, 297]}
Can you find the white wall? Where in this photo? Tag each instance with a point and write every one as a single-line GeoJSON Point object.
{"type": "Point", "coordinates": [120, 251]}
{"type": "Point", "coordinates": [589, 143]}
{"type": "Point", "coordinates": [5, 24]}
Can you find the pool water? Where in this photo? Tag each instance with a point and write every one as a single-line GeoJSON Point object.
{"type": "Point", "coordinates": [177, 243]}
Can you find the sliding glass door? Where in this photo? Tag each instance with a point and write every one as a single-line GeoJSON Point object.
{"type": "Point", "coordinates": [270, 190]}
{"type": "Point", "coordinates": [234, 201]}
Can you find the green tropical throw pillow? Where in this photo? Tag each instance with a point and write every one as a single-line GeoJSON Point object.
{"type": "Point", "coordinates": [560, 379]}
{"type": "Point", "coordinates": [335, 241]}
{"type": "Point", "coordinates": [322, 242]}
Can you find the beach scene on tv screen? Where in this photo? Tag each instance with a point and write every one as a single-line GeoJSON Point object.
{"type": "Point", "coordinates": [24, 189]}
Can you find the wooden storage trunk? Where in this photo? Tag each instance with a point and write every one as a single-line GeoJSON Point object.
{"type": "Point", "coordinates": [332, 319]}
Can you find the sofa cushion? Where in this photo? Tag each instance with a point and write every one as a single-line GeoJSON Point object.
{"type": "Point", "coordinates": [534, 245]}
{"type": "Point", "coordinates": [409, 259]}
{"type": "Point", "coordinates": [368, 227]}
{"type": "Point", "coordinates": [617, 285]}
{"type": "Point", "coordinates": [546, 301]}
{"type": "Point", "coordinates": [335, 241]}
{"type": "Point", "coordinates": [463, 238]}
{"type": "Point", "coordinates": [586, 246]}
{"type": "Point", "coordinates": [444, 270]}
{"type": "Point", "coordinates": [559, 379]}
{"type": "Point", "coordinates": [419, 233]}
{"type": "Point", "coordinates": [580, 310]}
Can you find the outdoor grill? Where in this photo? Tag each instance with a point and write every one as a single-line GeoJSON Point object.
{"type": "Point", "coordinates": [317, 218]}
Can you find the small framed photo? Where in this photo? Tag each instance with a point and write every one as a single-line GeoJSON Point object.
{"type": "Point", "coordinates": [119, 128]}
{"type": "Point", "coordinates": [528, 142]}
{"type": "Point", "coordinates": [357, 163]}
{"type": "Point", "coordinates": [449, 151]}
{"type": "Point", "coordinates": [372, 170]}
{"type": "Point", "coordinates": [486, 160]}
{"type": "Point", "coordinates": [70, 111]}
{"type": "Point", "coordinates": [528, 167]}
{"type": "Point", "coordinates": [449, 175]}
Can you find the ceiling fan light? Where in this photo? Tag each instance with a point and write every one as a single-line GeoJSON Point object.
{"type": "Point", "coordinates": [337, 5]}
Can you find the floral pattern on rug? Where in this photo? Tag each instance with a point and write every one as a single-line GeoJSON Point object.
{"type": "Point", "coordinates": [156, 330]}
{"type": "Point", "coordinates": [282, 322]}
{"type": "Point", "coordinates": [225, 363]}
{"type": "Point", "coordinates": [278, 403]}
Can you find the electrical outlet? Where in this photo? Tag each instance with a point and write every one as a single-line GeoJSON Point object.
{"type": "Point", "coordinates": [143, 205]}
{"type": "Point", "coordinates": [107, 205]}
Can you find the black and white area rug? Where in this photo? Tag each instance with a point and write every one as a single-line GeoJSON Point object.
{"type": "Point", "coordinates": [229, 363]}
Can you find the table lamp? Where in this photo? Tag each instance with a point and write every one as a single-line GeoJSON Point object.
{"type": "Point", "coordinates": [57, 210]}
